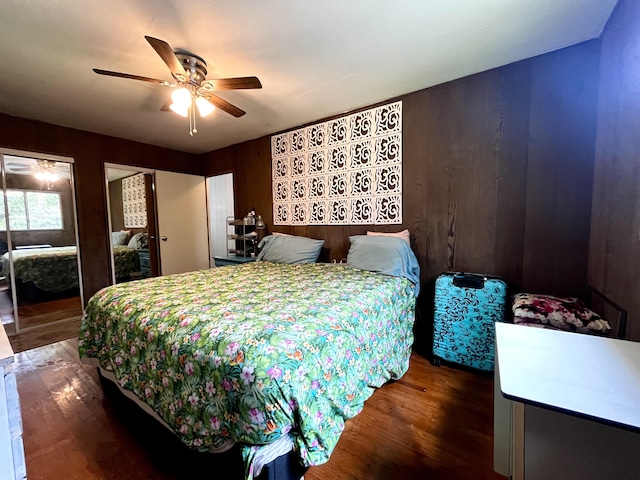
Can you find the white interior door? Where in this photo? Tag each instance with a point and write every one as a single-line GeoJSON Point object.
{"type": "Point", "coordinates": [220, 207]}
{"type": "Point", "coordinates": [182, 222]}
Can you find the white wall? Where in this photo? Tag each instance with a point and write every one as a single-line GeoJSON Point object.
{"type": "Point", "coordinates": [220, 188]}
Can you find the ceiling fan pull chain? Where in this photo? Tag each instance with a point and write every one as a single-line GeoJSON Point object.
{"type": "Point", "coordinates": [192, 117]}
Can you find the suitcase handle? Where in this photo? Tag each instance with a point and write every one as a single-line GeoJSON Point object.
{"type": "Point", "coordinates": [468, 280]}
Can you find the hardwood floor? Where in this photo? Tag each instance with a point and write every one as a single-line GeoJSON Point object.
{"type": "Point", "coordinates": [40, 323]}
{"type": "Point", "coordinates": [434, 423]}
{"type": "Point", "coordinates": [41, 314]}
{"type": "Point", "coordinates": [44, 335]}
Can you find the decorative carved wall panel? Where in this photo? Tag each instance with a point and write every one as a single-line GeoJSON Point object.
{"type": "Point", "coordinates": [345, 171]}
{"type": "Point", "coordinates": [134, 201]}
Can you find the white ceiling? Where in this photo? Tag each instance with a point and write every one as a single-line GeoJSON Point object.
{"type": "Point", "coordinates": [314, 58]}
{"type": "Point", "coordinates": [116, 174]}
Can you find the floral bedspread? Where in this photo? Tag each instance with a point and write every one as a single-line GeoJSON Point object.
{"type": "Point", "coordinates": [55, 269]}
{"type": "Point", "coordinates": [125, 260]}
{"type": "Point", "coordinates": [256, 351]}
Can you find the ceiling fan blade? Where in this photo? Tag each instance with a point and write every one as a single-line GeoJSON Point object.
{"type": "Point", "coordinates": [165, 107]}
{"type": "Point", "coordinates": [165, 51]}
{"type": "Point", "coordinates": [226, 106]}
{"type": "Point", "coordinates": [132, 77]}
{"type": "Point", "coordinates": [231, 83]}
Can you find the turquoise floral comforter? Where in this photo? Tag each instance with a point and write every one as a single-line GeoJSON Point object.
{"type": "Point", "coordinates": [254, 352]}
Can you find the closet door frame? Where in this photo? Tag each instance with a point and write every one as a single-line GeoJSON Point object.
{"type": "Point", "coordinates": [220, 206]}
{"type": "Point", "coordinates": [152, 219]}
{"type": "Point", "coordinates": [3, 188]}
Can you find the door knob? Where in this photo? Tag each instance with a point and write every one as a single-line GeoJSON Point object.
{"type": "Point", "coordinates": [163, 238]}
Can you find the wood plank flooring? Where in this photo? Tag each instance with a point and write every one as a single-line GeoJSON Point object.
{"type": "Point", "coordinates": [45, 335]}
{"type": "Point", "coordinates": [434, 423]}
{"type": "Point", "coordinates": [40, 323]}
{"type": "Point", "coordinates": [40, 314]}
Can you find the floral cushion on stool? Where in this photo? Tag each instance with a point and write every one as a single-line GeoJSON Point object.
{"type": "Point", "coordinates": [567, 313]}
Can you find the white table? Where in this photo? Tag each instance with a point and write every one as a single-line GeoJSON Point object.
{"type": "Point", "coordinates": [578, 403]}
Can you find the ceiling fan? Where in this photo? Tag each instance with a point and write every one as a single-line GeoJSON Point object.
{"type": "Point", "coordinates": [45, 170]}
{"type": "Point", "coordinates": [192, 90]}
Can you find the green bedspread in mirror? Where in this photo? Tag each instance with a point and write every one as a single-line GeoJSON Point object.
{"type": "Point", "coordinates": [55, 269]}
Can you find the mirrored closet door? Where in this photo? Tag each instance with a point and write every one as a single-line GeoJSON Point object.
{"type": "Point", "coordinates": [131, 206]}
{"type": "Point", "coordinates": [40, 270]}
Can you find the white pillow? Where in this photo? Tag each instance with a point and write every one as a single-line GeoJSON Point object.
{"type": "Point", "coordinates": [405, 235]}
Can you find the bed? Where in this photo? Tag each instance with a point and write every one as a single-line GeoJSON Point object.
{"type": "Point", "coordinates": [53, 271]}
{"type": "Point", "coordinates": [262, 354]}
{"type": "Point", "coordinates": [126, 261]}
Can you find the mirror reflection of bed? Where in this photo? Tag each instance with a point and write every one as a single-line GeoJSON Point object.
{"type": "Point", "coordinates": [38, 256]}
{"type": "Point", "coordinates": [131, 224]}
{"type": "Point", "coordinates": [46, 283]}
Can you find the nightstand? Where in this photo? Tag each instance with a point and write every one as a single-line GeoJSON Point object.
{"type": "Point", "coordinates": [232, 260]}
{"type": "Point", "coordinates": [145, 262]}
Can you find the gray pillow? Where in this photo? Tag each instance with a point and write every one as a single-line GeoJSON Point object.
{"type": "Point", "coordinates": [383, 254]}
{"type": "Point", "coordinates": [119, 238]}
{"type": "Point", "coordinates": [289, 249]}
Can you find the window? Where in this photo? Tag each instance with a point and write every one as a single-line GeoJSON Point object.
{"type": "Point", "coordinates": [31, 210]}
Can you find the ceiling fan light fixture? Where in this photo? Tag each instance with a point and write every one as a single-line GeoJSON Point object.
{"type": "Point", "coordinates": [195, 91]}
{"type": "Point", "coordinates": [205, 107]}
{"type": "Point", "coordinates": [181, 98]}
{"type": "Point", "coordinates": [181, 110]}
{"type": "Point", "coordinates": [47, 176]}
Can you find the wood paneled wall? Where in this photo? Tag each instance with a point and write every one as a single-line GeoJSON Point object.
{"type": "Point", "coordinates": [614, 258]}
{"type": "Point", "coordinates": [562, 132]}
{"type": "Point", "coordinates": [90, 152]}
{"type": "Point", "coordinates": [497, 174]}
{"type": "Point", "coordinates": [116, 205]}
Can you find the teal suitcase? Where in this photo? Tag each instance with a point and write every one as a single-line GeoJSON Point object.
{"type": "Point", "coordinates": [467, 306]}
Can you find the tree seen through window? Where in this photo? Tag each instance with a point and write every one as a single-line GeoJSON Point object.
{"type": "Point", "coordinates": [30, 210]}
